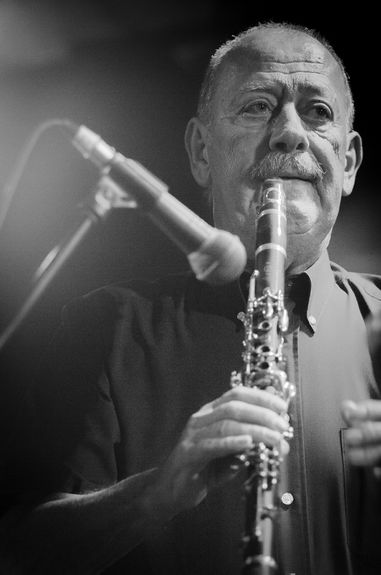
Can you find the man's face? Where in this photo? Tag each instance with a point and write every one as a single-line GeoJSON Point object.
{"type": "Point", "coordinates": [280, 110]}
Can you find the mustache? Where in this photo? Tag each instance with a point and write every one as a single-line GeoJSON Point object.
{"type": "Point", "coordinates": [281, 165]}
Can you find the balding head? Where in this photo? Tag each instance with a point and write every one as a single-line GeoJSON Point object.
{"type": "Point", "coordinates": [271, 42]}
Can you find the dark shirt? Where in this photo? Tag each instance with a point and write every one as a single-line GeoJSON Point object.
{"type": "Point", "coordinates": [134, 361]}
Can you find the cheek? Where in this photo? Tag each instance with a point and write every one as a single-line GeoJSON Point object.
{"type": "Point", "coordinates": [330, 153]}
{"type": "Point", "coordinates": [329, 149]}
{"type": "Point", "coordinates": [233, 152]}
{"type": "Point", "coordinates": [332, 185]}
{"type": "Point", "coordinates": [224, 159]}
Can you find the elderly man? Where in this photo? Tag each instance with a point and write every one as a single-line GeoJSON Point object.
{"type": "Point", "coordinates": [137, 423]}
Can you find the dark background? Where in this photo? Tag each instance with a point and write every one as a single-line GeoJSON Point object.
{"type": "Point", "coordinates": [131, 72]}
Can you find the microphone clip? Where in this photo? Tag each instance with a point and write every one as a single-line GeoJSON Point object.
{"type": "Point", "coordinates": [108, 195]}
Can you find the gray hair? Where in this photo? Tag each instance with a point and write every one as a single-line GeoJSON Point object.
{"type": "Point", "coordinates": [210, 82]}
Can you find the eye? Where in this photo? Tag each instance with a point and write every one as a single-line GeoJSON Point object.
{"type": "Point", "coordinates": [320, 113]}
{"type": "Point", "coordinates": [258, 108]}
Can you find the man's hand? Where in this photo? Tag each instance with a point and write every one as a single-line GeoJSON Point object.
{"type": "Point", "coordinates": [363, 439]}
{"type": "Point", "coordinates": [228, 426]}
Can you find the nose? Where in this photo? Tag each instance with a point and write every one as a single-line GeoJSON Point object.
{"type": "Point", "coordinates": [288, 134]}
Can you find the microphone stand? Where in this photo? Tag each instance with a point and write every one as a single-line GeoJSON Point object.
{"type": "Point", "coordinates": [106, 196]}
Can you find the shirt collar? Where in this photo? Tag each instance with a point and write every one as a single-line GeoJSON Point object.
{"type": "Point", "coordinates": [310, 291]}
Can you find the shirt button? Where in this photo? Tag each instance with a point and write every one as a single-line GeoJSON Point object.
{"type": "Point", "coordinates": [312, 319]}
{"type": "Point", "coordinates": [287, 500]}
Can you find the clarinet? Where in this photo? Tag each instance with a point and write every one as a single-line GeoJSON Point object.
{"type": "Point", "coordinates": [264, 367]}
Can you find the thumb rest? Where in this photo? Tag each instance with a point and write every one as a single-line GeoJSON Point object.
{"type": "Point", "coordinates": [264, 367]}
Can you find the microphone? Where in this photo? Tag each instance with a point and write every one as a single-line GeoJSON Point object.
{"type": "Point", "coordinates": [215, 256]}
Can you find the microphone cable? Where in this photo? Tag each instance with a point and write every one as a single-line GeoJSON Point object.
{"type": "Point", "coordinates": [11, 184]}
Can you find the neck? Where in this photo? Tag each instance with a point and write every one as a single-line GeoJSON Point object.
{"type": "Point", "coordinates": [296, 268]}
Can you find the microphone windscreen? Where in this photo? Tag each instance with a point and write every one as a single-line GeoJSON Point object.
{"type": "Point", "coordinates": [220, 259]}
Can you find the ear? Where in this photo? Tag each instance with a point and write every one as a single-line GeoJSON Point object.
{"type": "Point", "coordinates": [196, 137]}
{"type": "Point", "coordinates": [353, 159]}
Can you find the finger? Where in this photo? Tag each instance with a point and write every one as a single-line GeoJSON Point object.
{"type": "Point", "coordinates": [213, 448]}
{"type": "Point", "coordinates": [209, 449]}
{"type": "Point", "coordinates": [253, 396]}
{"type": "Point", "coordinates": [241, 412]}
{"type": "Point", "coordinates": [230, 428]}
{"type": "Point", "coordinates": [369, 409]}
{"type": "Point", "coordinates": [366, 434]}
{"type": "Point", "coordinates": [365, 456]}
{"type": "Point", "coordinates": [201, 451]}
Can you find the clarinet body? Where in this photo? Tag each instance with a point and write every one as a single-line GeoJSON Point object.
{"type": "Point", "coordinates": [264, 366]}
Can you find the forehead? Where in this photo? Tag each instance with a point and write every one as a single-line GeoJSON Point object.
{"type": "Point", "coordinates": [282, 56]}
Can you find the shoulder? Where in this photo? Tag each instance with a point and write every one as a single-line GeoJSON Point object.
{"type": "Point", "coordinates": [107, 320]}
{"type": "Point", "coordinates": [117, 300]}
{"type": "Point", "coordinates": [365, 287]}
{"type": "Point", "coordinates": [173, 286]}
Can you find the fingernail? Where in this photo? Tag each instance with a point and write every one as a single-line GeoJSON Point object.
{"type": "Point", "coordinates": [352, 410]}
{"type": "Point", "coordinates": [283, 425]}
{"type": "Point", "coordinates": [247, 442]}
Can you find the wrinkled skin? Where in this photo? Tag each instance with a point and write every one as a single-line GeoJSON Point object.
{"type": "Point", "coordinates": [281, 109]}
{"type": "Point", "coordinates": [286, 97]}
